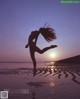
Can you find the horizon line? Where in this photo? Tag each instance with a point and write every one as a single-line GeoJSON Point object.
{"type": "Point", "coordinates": [29, 62]}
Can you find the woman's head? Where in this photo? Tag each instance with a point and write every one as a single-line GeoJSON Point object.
{"type": "Point", "coordinates": [48, 33]}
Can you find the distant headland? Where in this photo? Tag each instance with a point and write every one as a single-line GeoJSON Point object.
{"type": "Point", "coordinates": [74, 59]}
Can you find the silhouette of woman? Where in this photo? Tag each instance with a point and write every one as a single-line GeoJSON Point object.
{"type": "Point", "coordinates": [48, 34]}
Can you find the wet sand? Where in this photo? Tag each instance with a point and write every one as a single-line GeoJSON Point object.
{"type": "Point", "coordinates": [59, 81]}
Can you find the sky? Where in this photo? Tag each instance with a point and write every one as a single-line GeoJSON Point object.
{"type": "Point", "coordinates": [19, 17]}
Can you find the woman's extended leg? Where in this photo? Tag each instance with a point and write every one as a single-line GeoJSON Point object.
{"type": "Point", "coordinates": [45, 49]}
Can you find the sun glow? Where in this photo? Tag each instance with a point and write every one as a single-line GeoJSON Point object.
{"type": "Point", "coordinates": [52, 55]}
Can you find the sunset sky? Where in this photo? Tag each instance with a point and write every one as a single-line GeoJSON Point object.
{"type": "Point", "coordinates": [19, 17]}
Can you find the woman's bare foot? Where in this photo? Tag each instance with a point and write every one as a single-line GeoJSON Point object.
{"type": "Point", "coordinates": [53, 46]}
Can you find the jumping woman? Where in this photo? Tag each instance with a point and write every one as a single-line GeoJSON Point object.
{"type": "Point", "coordinates": [48, 34]}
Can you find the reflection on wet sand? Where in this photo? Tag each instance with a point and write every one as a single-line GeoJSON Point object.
{"type": "Point", "coordinates": [33, 95]}
{"type": "Point", "coordinates": [38, 84]}
{"type": "Point", "coordinates": [58, 69]}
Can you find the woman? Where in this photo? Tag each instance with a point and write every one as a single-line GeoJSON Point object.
{"type": "Point", "coordinates": [48, 34]}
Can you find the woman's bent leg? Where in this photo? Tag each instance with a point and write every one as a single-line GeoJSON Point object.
{"type": "Point", "coordinates": [45, 49]}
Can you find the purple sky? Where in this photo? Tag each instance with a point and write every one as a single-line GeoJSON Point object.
{"type": "Point", "coordinates": [19, 17]}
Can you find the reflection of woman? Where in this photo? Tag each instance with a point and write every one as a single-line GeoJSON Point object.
{"type": "Point", "coordinates": [48, 34]}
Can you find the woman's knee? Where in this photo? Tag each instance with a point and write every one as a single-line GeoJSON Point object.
{"type": "Point", "coordinates": [41, 52]}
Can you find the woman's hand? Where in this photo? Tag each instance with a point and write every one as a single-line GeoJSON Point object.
{"type": "Point", "coordinates": [26, 46]}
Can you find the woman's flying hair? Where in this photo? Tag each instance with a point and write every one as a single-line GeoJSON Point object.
{"type": "Point", "coordinates": [48, 33]}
